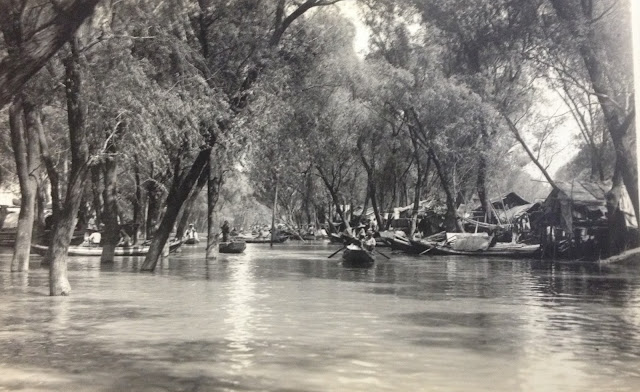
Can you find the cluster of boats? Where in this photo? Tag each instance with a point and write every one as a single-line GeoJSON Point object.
{"type": "Point", "coordinates": [462, 244]}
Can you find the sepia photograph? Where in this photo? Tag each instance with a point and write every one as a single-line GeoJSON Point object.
{"type": "Point", "coordinates": [319, 195]}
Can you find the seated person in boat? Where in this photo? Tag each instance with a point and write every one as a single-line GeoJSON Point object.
{"type": "Point", "coordinates": [125, 238]}
{"type": "Point", "coordinates": [95, 238]}
{"type": "Point", "coordinates": [225, 231]}
{"type": "Point", "coordinates": [368, 243]}
{"type": "Point", "coordinates": [192, 233]}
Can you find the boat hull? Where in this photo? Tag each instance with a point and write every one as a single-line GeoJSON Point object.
{"type": "Point", "coordinates": [357, 257]}
{"type": "Point", "coordinates": [506, 250]}
{"type": "Point", "coordinates": [97, 251]}
{"type": "Point", "coordinates": [232, 247]}
{"type": "Point", "coordinates": [265, 240]}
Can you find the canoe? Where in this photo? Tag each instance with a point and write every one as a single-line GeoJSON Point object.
{"type": "Point", "coordinates": [191, 241]}
{"type": "Point", "coordinates": [499, 250]}
{"type": "Point", "coordinates": [139, 250]}
{"type": "Point", "coordinates": [354, 256]}
{"type": "Point", "coordinates": [404, 245]}
{"type": "Point", "coordinates": [421, 246]}
{"type": "Point", "coordinates": [264, 240]}
{"type": "Point", "coordinates": [232, 247]}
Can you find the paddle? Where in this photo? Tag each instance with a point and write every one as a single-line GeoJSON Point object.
{"type": "Point", "coordinates": [388, 258]}
{"type": "Point", "coordinates": [425, 251]}
{"type": "Point", "coordinates": [336, 252]}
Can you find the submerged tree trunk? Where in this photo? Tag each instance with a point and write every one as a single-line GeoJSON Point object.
{"type": "Point", "coordinates": [76, 112]}
{"type": "Point", "coordinates": [177, 196]}
{"type": "Point", "coordinates": [25, 149]}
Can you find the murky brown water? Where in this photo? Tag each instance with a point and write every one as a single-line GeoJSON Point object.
{"type": "Point", "coordinates": [292, 320]}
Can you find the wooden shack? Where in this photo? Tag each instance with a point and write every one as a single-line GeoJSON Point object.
{"type": "Point", "coordinates": [575, 221]}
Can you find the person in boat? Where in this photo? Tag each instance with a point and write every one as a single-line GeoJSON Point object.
{"type": "Point", "coordinates": [225, 231]}
{"type": "Point", "coordinates": [192, 233]}
{"type": "Point", "coordinates": [95, 238]}
{"type": "Point", "coordinates": [368, 243]}
{"type": "Point", "coordinates": [125, 238]}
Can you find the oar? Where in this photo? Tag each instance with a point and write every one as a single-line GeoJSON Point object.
{"type": "Point", "coordinates": [388, 258]}
{"type": "Point", "coordinates": [425, 251]}
{"type": "Point", "coordinates": [336, 252]}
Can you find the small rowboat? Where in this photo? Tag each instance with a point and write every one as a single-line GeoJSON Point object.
{"type": "Point", "coordinates": [139, 250]}
{"type": "Point", "coordinates": [232, 247]}
{"type": "Point", "coordinates": [191, 241]}
{"type": "Point", "coordinates": [355, 256]}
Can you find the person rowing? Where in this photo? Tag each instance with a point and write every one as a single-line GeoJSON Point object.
{"type": "Point", "coordinates": [368, 242]}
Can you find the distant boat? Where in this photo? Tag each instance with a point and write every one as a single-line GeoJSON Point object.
{"type": "Point", "coordinates": [355, 256]}
{"type": "Point", "coordinates": [191, 241]}
{"type": "Point", "coordinates": [85, 250]}
{"type": "Point", "coordinates": [232, 247]}
{"type": "Point", "coordinates": [265, 240]}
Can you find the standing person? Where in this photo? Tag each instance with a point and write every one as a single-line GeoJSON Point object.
{"type": "Point", "coordinates": [225, 231]}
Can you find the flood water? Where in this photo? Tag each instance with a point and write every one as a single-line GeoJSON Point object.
{"type": "Point", "coordinates": [290, 319]}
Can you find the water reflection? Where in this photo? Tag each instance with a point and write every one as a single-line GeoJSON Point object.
{"type": "Point", "coordinates": [292, 319]}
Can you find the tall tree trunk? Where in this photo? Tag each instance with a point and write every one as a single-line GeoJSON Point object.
{"type": "Point", "coordinates": [110, 211]}
{"type": "Point", "coordinates": [481, 183]}
{"type": "Point", "coordinates": [138, 203]}
{"type": "Point", "coordinates": [154, 195]}
{"type": "Point", "coordinates": [451, 219]}
{"type": "Point", "coordinates": [25, 148]}
{"type": "Point", "coordinates": [365, 207]}
{"type": "Point", "coordinates": [579, 17]}
{"type": "Point", "coordinates": [416, 199]}
{"type": "Point", "coordinates": [49, 165]}
{"type": "Point", "coordinates": [97, 190]}
{"type": "Point", "coordinates": [213, 194]}
{"type": "Point", "coordinates": [371, 183]}
{"type": "Point", "coordinates": [76, 112]}
{"type": "Point", "coordinates": [177, 196]}
{"type": "Point", "coordinates": [273, 214]}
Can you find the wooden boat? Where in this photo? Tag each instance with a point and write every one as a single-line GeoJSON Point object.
{"type": "Point", "coordinates": [191, 241]}
{"type": "Point", "coordinates": [404, 245]}
{"type": "Point", "coordinates": [232, 247]}
{"type": "Point", "coordinates": [265, 240]}
{"type": "Point", "coordinates": [355, 256]}
{"type": "Point", "coordinates": [85, 250]}
{"type": "Point", "coordinates": [500, 249]}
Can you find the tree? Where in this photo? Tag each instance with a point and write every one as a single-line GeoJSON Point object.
{"type": "Point", "coordinates": [50, 27]}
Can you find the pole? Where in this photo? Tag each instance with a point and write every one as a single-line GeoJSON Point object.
{"type": "Point", "coordinates": [273, 214]}
{"type": "Point", "coordinates": [635, 31]}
